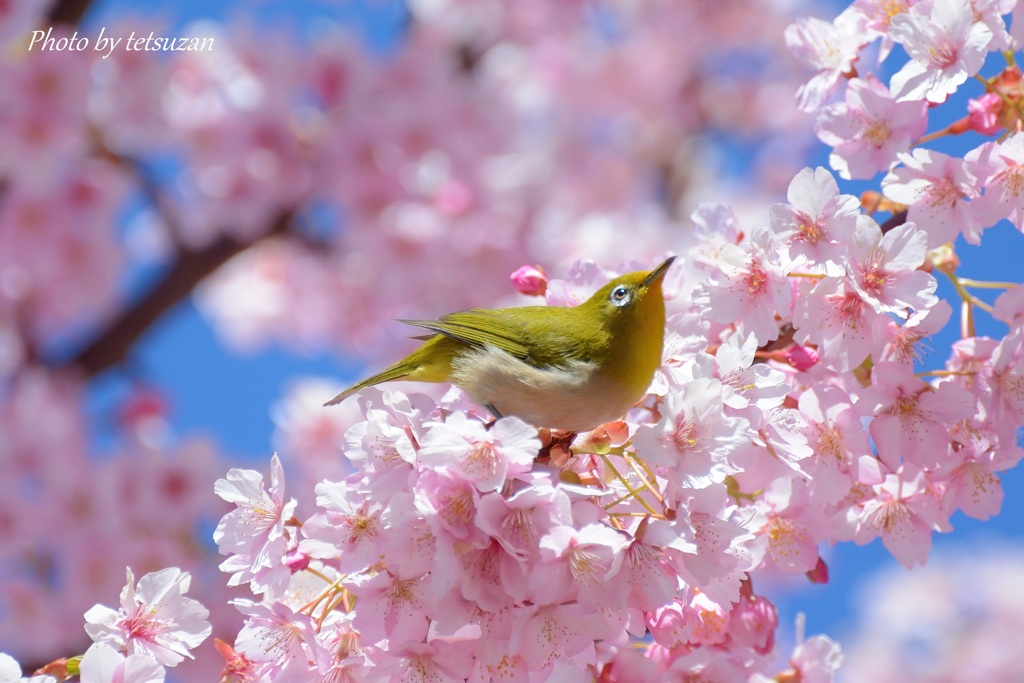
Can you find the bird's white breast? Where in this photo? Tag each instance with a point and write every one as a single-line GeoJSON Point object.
{"type": "Point", "coordinates": [573, 396]}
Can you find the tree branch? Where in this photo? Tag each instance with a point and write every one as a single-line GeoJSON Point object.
{"type": "Point", "coordinates": [68, 11]}
{"type": "Point", "coordinates": [115, 342]}
{"type": "Point", "coordinates": [895, 220]}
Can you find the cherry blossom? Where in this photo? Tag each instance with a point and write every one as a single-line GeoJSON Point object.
{"type": "Point", "coordinates": [837, 437]}
{"type": "Point", "coordinates": [752, 624]}
{"type": "Point", "coordinates": [155, 619]}
{"type": "Point", "coordinates": [303, 432]}
{"type": "Point", "coordinates": [902, 341]}
{"type": "Point", "coordinates": [711, 550]}
{"type": "Point", "coordinates": [816, 659]}
{"type": "Point", "coordinates": [990, 13]}
{"type": "Point", "coordinates": [973, 487]}
{"type": "Point", "coordinates": [910, 416]}
{"type": "Point", "coordinates": [879, 15]}
{"type": "Point", "coordinates": [393, 606]}
{"type": "Point", "coordinates": [276, 638]}
{"type": "Point", "coordinates": [935, 186]}
{"type": "Point", "coordinates": [749, 286]}
{"type": "Point", "coordinates": [869, 129]}
{"type": "Point", "coordinates": [946, 47]}
{"type": "Point", "coordinates": [837, 318]}
{"type": "Point", "coordinates": [904, 512]}
{"type": "Point", "coordinates": [102, 663]}
{"type": "Point", "coordinates": [437, 660]}
{"type": "Point", "coordinates": [485, 456]}
{"type": "Point", "coordinates": [519, 521]}
{"type": "Point", "coordinates": [816, 224]}
{"type": "Point", "coordinates": [831, 48]}
{"type": "Point", "coordinates": [884, 268]}
{"type": "Point", "coordinates": [1009, 306]}
{"type": "Point", "coordinates": [745, 384]}
{"type": "Point", "coordinates": [791, 534]}
{"type": "Point", "coordinates": [348, 528]}
{"type": "Point", "coordinates": [1016, 27]}
{"type": "Point", "coordinates": [1006, 383]}
{"type": "Point", "coordinates": [529, 280]}
{"type": "Point", "coordinates": [254, 533]}
{"type": "Point", "coordinates": [646, 569]}
{"type": "Point", "coordinates": [694, 436]}
{"type": "Point", "coordinates": [579, 561]}
{"type": "Point", "coordinates": [998, 168]}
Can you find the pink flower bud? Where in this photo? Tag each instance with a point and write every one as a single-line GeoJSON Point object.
{"type": "Point", "coordinates": [753, 622]}
{"type": "Point", "coordinates": [983, 113]}
{"type": "Point", "coordinates": [144, 416]}
{"type": "Point", "coordinates": [801, 357]}
{"type": "Point", "coordinates": [530, 280]}
{"type": "Point", "coordinates": [820, 572]}
{"type": "Point", "coordinates": [296, 560]}
{"type": "Point", "coordinates": [142, 405]}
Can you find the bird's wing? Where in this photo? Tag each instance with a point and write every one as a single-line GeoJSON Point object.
{"type": "Point", "coordinates": [478, 327]}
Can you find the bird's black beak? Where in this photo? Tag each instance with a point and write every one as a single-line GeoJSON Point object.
{"type": "Point", "coordinates": [659, 272]}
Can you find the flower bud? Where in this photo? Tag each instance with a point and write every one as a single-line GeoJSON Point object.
{"type": "Point", "coordinates": [144, 416]}
{"type": "Point", "coordinates": [296, 560]}
{"type": "Point", "coordinates": [530, 280]}
{"type": "Point", "coordinates": [820, 572]}
{"type": "Point", "coordinates": [753, 622]}
{"type": "Point", "coordinates": [142, 405]}
{"type": "Point", "coordinates": [984, 113]}
{"type": "Point", "coordinates": [943, 259]}
{"type": "Point", "coordinates": [801, 357]}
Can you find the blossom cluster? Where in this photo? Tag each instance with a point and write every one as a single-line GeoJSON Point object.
{"type": "Point", "coordinates": [443, 192]}
{"type": "Point", "coordinates": [879, 128]}
{"type": "Point", "coordinates": [71, 523]}
{"type": "Point", "coordinates": [451, 552]}
{"type": "Point", "coordinates": [522, 145]}
{"type": "Point", "coordinates": [259, 129]}
{"type": "Point", "coordinates": [787, 413]}
{"type": "Point", "coordinates": [472, 552]}
{"type": "Point", "coordinates": [789, 410]}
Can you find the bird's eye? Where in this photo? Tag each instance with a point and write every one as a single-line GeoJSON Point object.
{"type": "Point", "coordinates": [620, 295]}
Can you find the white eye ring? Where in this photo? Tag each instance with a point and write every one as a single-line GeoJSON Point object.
{"type": "Point", "coordinates": [620, 295]}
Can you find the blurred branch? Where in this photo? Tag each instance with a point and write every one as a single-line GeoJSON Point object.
{"type": "Point", "coordinates": [896, 220]}
{"type": "Point", "coordinates": [787, 334]}
{"type": "Point", "coordinates": [68, 11]}
{"type": "Point", "coordinates": [191, 266]}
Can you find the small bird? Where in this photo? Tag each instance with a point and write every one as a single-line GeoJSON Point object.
{"type": "Point", "coordinates": [565, 368]}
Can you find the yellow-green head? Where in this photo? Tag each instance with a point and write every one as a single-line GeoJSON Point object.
{"type": "Point", "coordinates": [631, 311]}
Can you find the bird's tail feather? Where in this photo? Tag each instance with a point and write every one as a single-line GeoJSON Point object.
{"type": "Point", "coordinates": [394, 372]}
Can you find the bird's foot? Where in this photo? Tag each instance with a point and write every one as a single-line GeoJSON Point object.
{"type": "Point", "coordinates": [495, 413]}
